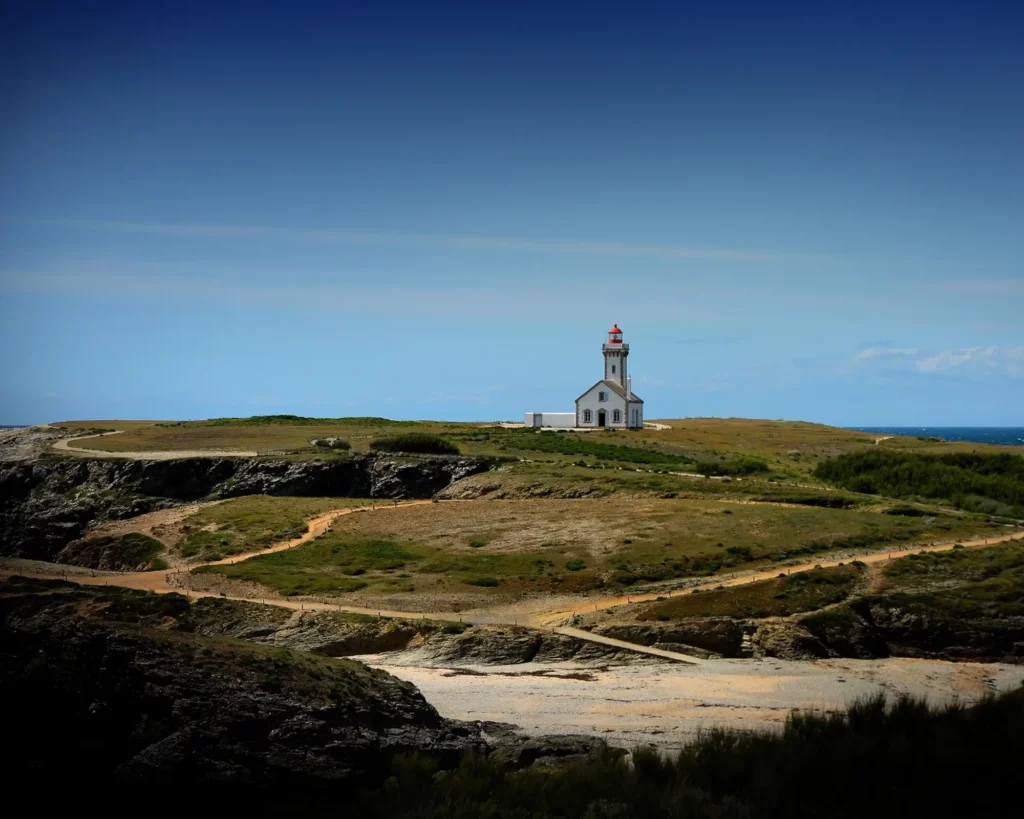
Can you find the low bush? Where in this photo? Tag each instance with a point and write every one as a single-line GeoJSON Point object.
{"type": "Point", "coordinates": [420, 443]}
{"type": "Point", "coordinates": [882, 758]}
{"type": "Point", "coordinates": [987, 483]}
{"type": "Point", "coordinates": [337, 444]}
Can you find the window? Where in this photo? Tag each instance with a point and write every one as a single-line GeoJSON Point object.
{"type": "Point", "coordinates": [602, 396]}
{"type": "Point", "coordinates": [588, 417]}
{"type": "Point", "coordinates": [616, 417]}
{"type": "Point", "coordinates": [613, 369]}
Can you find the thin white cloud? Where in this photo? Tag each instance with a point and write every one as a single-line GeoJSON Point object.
{"type": "Point", "coordinates": [992, 360]}
{"type": "Point", "coordinates": [885, 352]}
{"type": "Point", "coordinates": [387, 238]}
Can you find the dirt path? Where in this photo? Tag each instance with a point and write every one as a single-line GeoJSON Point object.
{"type": "Point", "coordinates": [551, 617]}
{"type": "Point", "coordinates": [68, 445]}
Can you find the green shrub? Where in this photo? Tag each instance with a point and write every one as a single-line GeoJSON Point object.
{"type": "Point", "coordinates": [487, 582]}
{"type": "Point", "coordinates": [337, 444]}
{"type": "Point", "coordinates": [420, 443]}
{"type": "Point", "coordinates": [971, 481]}
{"type": "Point", "coordinates": [952, 760]}
{"type": "Point", "coordinates": [575, 565]}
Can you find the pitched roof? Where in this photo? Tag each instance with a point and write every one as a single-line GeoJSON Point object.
{"type": "Point", "coordinates": [617, 388]}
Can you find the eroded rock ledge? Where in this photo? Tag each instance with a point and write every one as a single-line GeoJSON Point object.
{"type": "Point", "coordinates": [46, 504]}
{"type": "Point", "coordinates": [103, 686]}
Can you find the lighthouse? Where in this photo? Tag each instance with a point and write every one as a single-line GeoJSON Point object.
{"type": "Point", "coordinates": [610, 403]}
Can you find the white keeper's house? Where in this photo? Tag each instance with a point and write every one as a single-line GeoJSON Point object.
{"type": "Point", "coordinates": [611, 402]}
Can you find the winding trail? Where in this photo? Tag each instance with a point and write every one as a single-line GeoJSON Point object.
{"type": "Point", "coordinates": [67, 445]}
{"type": "Point", "coordinates": [547, 618]}
{"type": "Point", "coordinates": [530, 614]}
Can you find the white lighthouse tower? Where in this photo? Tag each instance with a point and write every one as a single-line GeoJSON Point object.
{"type": "Point", "coordinates": [615, 355]}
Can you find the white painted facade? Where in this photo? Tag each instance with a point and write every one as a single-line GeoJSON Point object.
{"type": "Point", "coordinates": [609, 403]}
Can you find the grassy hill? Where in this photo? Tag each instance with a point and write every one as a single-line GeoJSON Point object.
{"type": "Point", "coordinates": [784, 447]}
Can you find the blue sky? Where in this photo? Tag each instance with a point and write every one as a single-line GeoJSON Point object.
{"type": "Point", "coordinates": [804, 211]}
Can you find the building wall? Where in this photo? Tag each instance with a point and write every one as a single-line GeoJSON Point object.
{"type": "Point", "coordinates": [562, 420]}
{"type": "Point", "coordinates": [589, 400]}
{"type": "Point", "coordinates": [635, 415]}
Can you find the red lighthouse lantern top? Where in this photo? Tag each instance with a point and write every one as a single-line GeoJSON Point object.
{"type": "Point", "coordinates": [615, 335]}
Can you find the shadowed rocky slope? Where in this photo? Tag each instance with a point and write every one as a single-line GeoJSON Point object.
{"type": "Point", "coordinates": [46, 504]}
{"type": "Point", "coordinates": [108, 686]}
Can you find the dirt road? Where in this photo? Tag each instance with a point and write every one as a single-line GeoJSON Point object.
{"type": "Point", "coordinates": [68, 445]}
{"type": "Point", "coordinates": [551, 617]}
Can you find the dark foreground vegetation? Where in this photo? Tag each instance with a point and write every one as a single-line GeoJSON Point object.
{"type": "Point", "coordinates": [105, 698]}
{"type": "Point", "coordinates": [880, 759]}
{"type": "Point", "coordinates": [993, 484]}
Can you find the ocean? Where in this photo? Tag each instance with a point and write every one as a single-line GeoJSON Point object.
{"type": "Point", "coordinates": [981, 435]}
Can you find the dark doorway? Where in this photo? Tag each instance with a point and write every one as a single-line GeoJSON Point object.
{"type": "Point", "coordinates": [602, 418]}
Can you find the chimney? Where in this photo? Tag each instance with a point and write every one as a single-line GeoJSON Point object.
{"type": "Point", "coordinates": [629, 387]}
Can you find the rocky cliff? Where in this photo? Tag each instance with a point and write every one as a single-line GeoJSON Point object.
{"type": "Point", "coordinates": [47, 503]}
{"type": "Point", "coordinates": [867, 628]}
{"type": "Point", "coordinates": [905, 625]}
{"type": "Point", "coordinates": [114, 686]}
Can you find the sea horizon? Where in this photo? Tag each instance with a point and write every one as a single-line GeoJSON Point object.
{"type": "Point", "coordinates": [1013, 436]}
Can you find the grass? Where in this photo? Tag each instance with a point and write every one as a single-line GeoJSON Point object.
{"type": "Point", "coordinates": [590, 445]}
{"type": "Point", "coordinates": [781, 597]}
{"type": "Point", "coordinates": [250, 523]}
{"type": "Point", "coordinates": [959, 584]}
{"type": "Point", "coordinates": [790, 449]}
{"type": "Point", "coordinates": [953, 567]}
{"type": "Point", "coordinates": [543, 546]}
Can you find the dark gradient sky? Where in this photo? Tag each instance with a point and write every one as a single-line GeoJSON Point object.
{"type": "Point", "coordinates": [436, 210]}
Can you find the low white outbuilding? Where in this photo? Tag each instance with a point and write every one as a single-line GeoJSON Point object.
{"type": "Point", "coordinates": [561, 420]}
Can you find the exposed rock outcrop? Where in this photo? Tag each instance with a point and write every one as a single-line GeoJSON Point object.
{"type": "Point", "coordinates": [132, 552]}
{"type": "Point", "coordinates": [509, 646]}
{"type": "Point", "coordinates": [328, 633]}
{"type": "Point", "coordinates": [721, 636]}
{"type": "Point", "coordinates": [119, 686]}
{"type": "Point", "coordinates": [786, 640]}
{"type": "Point", "coordinates": [46, 504]}
{"type": "Point", "coordinates": [132, 702]}
{"type": "Point", "coordinates": [907, 626]}
{"type": "Point", "coordinates": [335, 634]}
